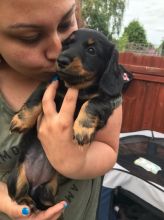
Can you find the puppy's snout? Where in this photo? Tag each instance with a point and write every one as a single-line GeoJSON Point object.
{"type": "Point", "coordinates": [63, 61]}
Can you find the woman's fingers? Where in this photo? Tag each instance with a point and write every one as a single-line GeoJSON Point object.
{"type": "Point", "coordinates": [48, 104]}
{"type": "Point", "coordinates": [53, 121]}
{"type": "Point", "coordinates": [68, 106]}
{"type": "Point", "coordinates": [52, 213]}
{"type": "Point", "coordinates": [39, 120]}
{"type": "Point", "coordinates": [20, 211]}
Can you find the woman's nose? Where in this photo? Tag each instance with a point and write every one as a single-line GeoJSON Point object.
{"type": "Point", "coordinates": [54, 47]}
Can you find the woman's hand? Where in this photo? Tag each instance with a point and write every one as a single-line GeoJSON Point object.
{"type": "Point", "coordinates": [52, 213]}
{"type": "Point", "coordinates": [55, 131]}
{"type": "Point", "coordinates": [15, 211]}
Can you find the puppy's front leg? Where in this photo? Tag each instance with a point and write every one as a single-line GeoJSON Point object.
{"type": "Point", "coordinates": [26, 117]}
{"type": "Point", "coordinates": [85, 125]}
{"type": "Point", "coordinates": [93, 115]}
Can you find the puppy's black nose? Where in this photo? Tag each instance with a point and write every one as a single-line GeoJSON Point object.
{"type": "Point", "coordinates": [63, 61]}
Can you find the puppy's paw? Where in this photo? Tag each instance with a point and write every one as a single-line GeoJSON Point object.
{"type": "Point", "coordinates": [83, 134]}
{"type": "Point", "coordinates": [85, 125]}
{"type": "Point", "coordinates": [25, 118]}
{"type": "Point", "coordinates": [27, 200]}
{"type": "Point", "coordinates": [19, 124]}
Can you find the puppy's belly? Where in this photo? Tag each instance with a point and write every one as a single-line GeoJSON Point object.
{"type": "Point", "coordinates": [37, 167]}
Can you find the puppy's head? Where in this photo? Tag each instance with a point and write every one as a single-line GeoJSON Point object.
{"type": "Point", "coordinates": [84, 58]}
{"type": "Point", "coordinates": [87, 59]}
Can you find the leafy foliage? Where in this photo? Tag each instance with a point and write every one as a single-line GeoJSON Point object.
{"type": "Point", "coordinates": [122, 42]}
{"type": "Point", "coordinates": [135, 33]}
{"type": "Point", "coordinates": [104, 15]}
{"type": "Point", "coordinates": [161, 47]}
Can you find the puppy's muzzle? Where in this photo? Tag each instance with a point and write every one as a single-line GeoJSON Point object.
{"type": "Point", "coordinates": [63, 61]}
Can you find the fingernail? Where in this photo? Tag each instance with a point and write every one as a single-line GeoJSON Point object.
{"type": "Point", "coordinates": [25, 211]}
{"type": "Point", "coordinates": [65, 204]}
{"type": "Point", "coordinates": [55, 77]}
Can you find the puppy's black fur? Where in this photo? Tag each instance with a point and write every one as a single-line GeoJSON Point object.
{"type": "Point", "coordinates": [88, 62]}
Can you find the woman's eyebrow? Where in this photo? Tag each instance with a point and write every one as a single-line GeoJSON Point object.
{"type": "Point", "coordinates": [36, 26]}
{"type": "Point", "coordinates": [69, 13]}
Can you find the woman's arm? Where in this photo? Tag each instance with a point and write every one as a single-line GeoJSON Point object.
{"type": "Point", "coordinates": [55, 130]}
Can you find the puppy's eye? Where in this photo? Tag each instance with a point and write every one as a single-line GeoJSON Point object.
{"type": "Point", "coordinates": [91, 50]}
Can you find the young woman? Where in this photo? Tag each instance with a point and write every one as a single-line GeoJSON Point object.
{"type": "Point", "coordinates": [31, 33]}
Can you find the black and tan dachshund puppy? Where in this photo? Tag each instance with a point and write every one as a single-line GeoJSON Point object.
{"type": "Point", "coordinates": [88, 62]}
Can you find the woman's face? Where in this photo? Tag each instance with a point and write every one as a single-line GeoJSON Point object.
{"type": "Point", "coordinates": [31, 32]}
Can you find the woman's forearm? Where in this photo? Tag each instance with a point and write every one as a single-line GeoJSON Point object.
{"type": "Point", "coordinates": [83, 163]}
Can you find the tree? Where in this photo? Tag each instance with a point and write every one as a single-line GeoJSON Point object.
{"type": "Point", "coordinates": [104, 15]}
{"type": "Point", "coordinates": [161, 48]}
{"type": "Point", "coordinates": [122, 42]}
{"type": "Point", "coordinates": [135, 33]}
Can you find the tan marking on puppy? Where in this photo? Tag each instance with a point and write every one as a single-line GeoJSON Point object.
{"type": "Point", "coordinates": [25, 118]}
{"type": "Point", "coordinates": [76, 68]}
{"type": "Point", "coordinates": [81, 85]}
{"type": "Point", "coordinates": [22, 181]}
{"type": "Point", "coordinates": [85, 126]}
{"type": "Point", "coordinates": [90, 41]}
{"type": "Point", "coordinates": [22, 188]}
{"type": "Point", "coordinates": [52, 187]}
{"type": "Point", "coordinates": [53, 184]}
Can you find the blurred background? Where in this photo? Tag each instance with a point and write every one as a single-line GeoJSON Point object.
{"type": "Point", "coordinates": [132, 25]}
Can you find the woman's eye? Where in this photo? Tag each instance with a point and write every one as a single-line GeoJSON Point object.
{"type": "Point", "coordinates": [30, 39]}
{"type": "Point", "coordinates": [91, 50]}
{"type": "Point", "coordinates": [64, 26]}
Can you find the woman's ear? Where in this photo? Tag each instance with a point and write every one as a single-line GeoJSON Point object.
{"type": "Point", "coordinates": [112, 80]}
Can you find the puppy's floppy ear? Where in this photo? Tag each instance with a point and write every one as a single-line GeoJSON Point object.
{"type": "Point", "coordinates": [113, 78]}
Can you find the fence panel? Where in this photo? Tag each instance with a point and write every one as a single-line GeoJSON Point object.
{"type": "Point", "coordinates": [143, 106]}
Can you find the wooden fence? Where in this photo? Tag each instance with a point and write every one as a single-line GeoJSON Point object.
{"type": "Point", "coordinates": [143, 105]}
